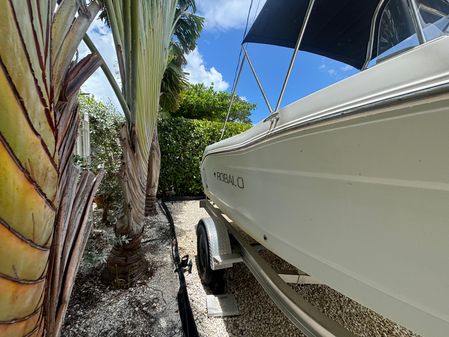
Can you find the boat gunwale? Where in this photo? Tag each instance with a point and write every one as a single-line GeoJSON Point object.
{"type": "Point", "coordinates": [408, 97]}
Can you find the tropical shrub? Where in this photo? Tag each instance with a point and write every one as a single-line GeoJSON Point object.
{"type": "Point", "coordinates": [182, 143]}
{"type": "Point", "coordinates": [106, 152]}
{"type": "Point", "coordinates": [201, 102]}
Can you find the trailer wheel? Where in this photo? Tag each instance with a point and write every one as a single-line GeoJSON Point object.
{"type": "Point", "coordinates": [214, 279]}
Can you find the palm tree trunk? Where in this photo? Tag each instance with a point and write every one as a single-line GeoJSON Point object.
{"type": "Point", "coordinates": [154, 169]}
{"type": "Point", "coordinates": [43, 201]}
{"type": "Point", "coordinates": [126, 263]}
{"type": "Point", "coordinates": [142, 32]}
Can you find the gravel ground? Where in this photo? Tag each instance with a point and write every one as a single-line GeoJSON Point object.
{"type": "Point", "coordinates": [258, 314]}
{"type": "Point", "coordinates": [148, 309]}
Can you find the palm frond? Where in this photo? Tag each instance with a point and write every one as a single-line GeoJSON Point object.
{"type": "Point", "coordinates": [173, 83]}
{"type": "Point", "coordinates": [188, 28]}
{"type": "Point", "coordinates": [186, 4]}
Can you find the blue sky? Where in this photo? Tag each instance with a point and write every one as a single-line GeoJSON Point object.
{"type": "Point", "coordinates": [215, 59]}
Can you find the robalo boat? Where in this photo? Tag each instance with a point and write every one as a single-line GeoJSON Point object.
{"type": "Point", "coordinates": [351, 184]}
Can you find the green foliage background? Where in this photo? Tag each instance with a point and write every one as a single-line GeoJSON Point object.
{"type": "Point", "coordinates": [106, 152]}
{"type": "Point", "coordinates": [182, 143]}
{"type": "Point", "coordinates": [201, 102]}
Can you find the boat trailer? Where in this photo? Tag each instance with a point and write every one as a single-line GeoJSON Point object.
{"type": "Point", "coordinates": [220, 245]}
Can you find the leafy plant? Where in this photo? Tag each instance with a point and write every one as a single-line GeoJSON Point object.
{"type": "Point", "coordinates": [95, 257]}
{"type": "Point", "coordinates": [201, 102]}
{"type": "Point", "coordinates": [121, 240]}
{"type": "Point", "coordinates": [182, 144]}
{"type": "Point", "coordinates": [106, 152]}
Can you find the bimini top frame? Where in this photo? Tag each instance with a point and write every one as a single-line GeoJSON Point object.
{"type": "Point", "coordinates": [259, 33]}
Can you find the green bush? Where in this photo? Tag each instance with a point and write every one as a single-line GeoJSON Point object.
{"type": "Point", "coordinates": [106, 152]}
{"type": "Point", "coordinates": [182, 143]}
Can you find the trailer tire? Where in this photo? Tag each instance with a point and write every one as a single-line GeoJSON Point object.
{"type": "Point", "coordinates": [214, 279]}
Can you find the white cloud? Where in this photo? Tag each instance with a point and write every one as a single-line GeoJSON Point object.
{"type": "Point", "coordinates": [332, 72]}
{"type": "Point", "coordinates": [324, 67]}
{"type": "Point", "coordinates": [227, 14]}
{"type": "Point", "coordinates": [346, 68]}
{"type": "Point", "coordinates": [336, 70]}
{"type": "Point", "coordinates": [198, 73]}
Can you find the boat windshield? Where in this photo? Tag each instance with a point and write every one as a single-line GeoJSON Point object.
{"type": "Point", "coordinates": [435, 17]}
{"type": "Point", "coordinates": [397, 31]}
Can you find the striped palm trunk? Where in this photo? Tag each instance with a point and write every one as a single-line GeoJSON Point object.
{"type": "Point", "coordinates": [44, 199]}
{"type": "Point", "coordinates": [142, 30]}
{"type": "Point", "coordinates": [154, 169]}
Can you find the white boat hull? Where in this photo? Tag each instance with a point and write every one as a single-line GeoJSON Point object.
{"type": "Point", "coordinates": [360, 202]}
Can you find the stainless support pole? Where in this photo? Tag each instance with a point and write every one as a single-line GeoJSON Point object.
{"type": "Point", "coordinates": [369, 52]}
{"type": "Point", "coordinates": [267, 102]}
{"type": "Point", "coordinates": [417, 21]}
{"type": "Point", "coordinates": [295, 53]}
{"type": "Point", "coordinates": [232, 98]}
